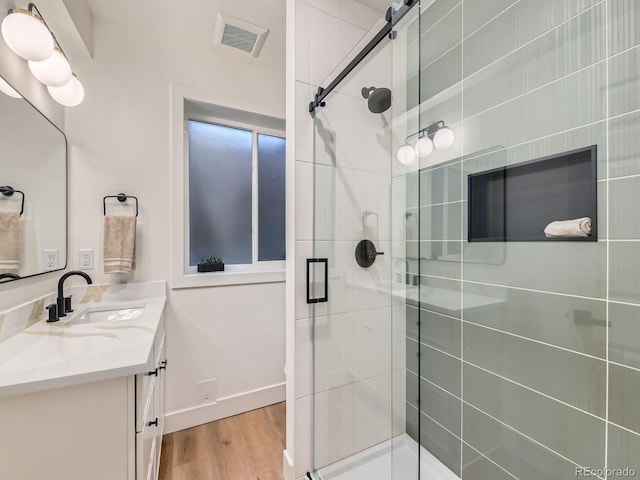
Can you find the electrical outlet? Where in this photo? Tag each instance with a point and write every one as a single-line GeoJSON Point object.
{"type": "Point", "coordinates": [85, 259]}
{"type": "Point", "coordinates": [207, 392]}
{"type": "Point", "coordinates": [50, 258]}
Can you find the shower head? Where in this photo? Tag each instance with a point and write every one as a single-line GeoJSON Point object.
{"type": "Point", "coordinates": [379, 99]}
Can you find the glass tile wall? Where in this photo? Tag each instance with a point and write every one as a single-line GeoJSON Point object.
{"type": "Point", "coordinates": [526, 360]}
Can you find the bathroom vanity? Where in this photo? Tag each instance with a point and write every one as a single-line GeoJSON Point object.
{"type": "Point", "coordinates": [83, 398]}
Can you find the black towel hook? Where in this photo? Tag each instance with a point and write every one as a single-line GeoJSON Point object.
{"type": "Point", "coordinates": [121, 197]}
{"type": "Point", "coordinates": [8, 191]}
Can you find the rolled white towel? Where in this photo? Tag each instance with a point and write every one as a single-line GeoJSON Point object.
{"type": "Point", "coordinates": [579, 227]}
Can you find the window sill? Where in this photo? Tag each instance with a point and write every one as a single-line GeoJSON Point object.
{"type": "Point", "coordinates": [215, 279]}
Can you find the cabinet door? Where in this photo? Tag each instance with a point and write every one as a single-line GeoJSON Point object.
{"type": "Point", "coordinates": [159, 397]}
{"type": "Point", "coordinates": [144, 384]}
{"type": "Point", "coordinates": [152, 471]}
{"type": "Point", "coordinates": [144, 381]}
{"type": "Point", "coordinates": [146, 439]}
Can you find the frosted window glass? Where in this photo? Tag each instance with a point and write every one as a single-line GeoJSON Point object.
{"type": "Point", "coordinates": [271, 198]}
{"type": "Point", "coordinates": [220, 203]}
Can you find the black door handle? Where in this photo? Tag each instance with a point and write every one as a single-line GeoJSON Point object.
{"type": "Point", "coordinates": [325, 297]}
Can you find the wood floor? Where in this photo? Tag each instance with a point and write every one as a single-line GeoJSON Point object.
{"type": "Point", "coordinates": [244, 447]}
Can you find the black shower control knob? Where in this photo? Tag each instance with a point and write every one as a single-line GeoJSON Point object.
{"type": "Point", "coordinates": [366, 253]}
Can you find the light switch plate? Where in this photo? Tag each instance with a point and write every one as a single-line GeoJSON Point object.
{"type": "Point", "coordinates": [85, 259]}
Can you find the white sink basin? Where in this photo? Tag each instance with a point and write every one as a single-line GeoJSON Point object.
{"type": "Point", "coordinates": [105, 314]}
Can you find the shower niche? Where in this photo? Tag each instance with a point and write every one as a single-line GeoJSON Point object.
{"type": "Point", "coordinates": [519, 202]}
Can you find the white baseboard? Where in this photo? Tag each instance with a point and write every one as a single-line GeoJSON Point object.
{"type": "Point", "coordinates": [288, 470]}
{"type": "Point", "coordinates": [224, 407]}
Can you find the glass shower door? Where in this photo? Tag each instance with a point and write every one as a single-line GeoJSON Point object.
{"type": "Point", "coordinates": [359, 332]}
{"type": "Point", "coordinates": [352, 329]}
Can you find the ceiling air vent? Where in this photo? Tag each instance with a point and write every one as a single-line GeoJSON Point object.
{"type": "Point", "coordinates": [237, 33]}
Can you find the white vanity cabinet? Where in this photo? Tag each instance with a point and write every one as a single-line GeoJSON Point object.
{"type": "Point", "coordinates": [150, 415]}
{"type": "Point", "coordinates": [107, 429]}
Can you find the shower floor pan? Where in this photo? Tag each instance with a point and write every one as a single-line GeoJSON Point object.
{"type": "Point", "coordinates": [378, 462]}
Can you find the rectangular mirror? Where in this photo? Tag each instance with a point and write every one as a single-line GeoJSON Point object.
{"type": "Point", "coordinates": [33, 191]}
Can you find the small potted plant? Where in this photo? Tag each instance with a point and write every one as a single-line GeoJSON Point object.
{"type": "Point", "coordinates": [211, 263]}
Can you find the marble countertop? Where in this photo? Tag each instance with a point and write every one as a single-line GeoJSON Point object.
{"type": "Point", "coordinates": [53, 355]}
{"type": "Point", "coordinates": [446, 300]}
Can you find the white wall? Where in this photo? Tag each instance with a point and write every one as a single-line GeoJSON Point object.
{"type": "Point", "coordinates": [119, 141]}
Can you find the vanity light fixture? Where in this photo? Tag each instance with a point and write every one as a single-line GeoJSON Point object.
{"type": "Point", "coordinates": [406, 155]}
{"type": "Point", "coordinates": [28, 36]}
{"type": "Point", "coordinates": [436, 135]}
{"type": "Point", "coordinates": [70, 94]}
{"type": "Point", "coordinates": [444, 138]}
{"type": "Point", "coordinates": [424, 146]}
{"type": "Point", "coordinates": [8, 89]}
{"type": "Point", "coordinates": [55, 71]}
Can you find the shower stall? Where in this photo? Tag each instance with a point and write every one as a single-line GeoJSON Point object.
{"type": "Point", "coordinates": [453, 337]}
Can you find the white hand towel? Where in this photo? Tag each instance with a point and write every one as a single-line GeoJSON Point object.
{"type": "Point", "coordinates": [10, 239]}
{"type": "Point", "coordinates": [579, 227]}
{"type": "Point", "coordinates": [119, 244]}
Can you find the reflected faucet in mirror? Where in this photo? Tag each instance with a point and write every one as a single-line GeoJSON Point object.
{"type": "Point", "coordinates": [411, 279]}
{"type": "Point", "coordinates": [8, 277]}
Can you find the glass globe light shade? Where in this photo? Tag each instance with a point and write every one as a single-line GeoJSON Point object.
{"type": "Point", "coordinates": [55, 71]}
{"type": "Point", "coordinates": [27, 36]}
{"type": "Point", "coordinates": [70, 94]}
{"type": "Point", "coordinates": [444, 138]}
{"type": "Point", "coordinates": [424, 147]}
{"type": "Point", "coordinates": [8, 89]}
{"type": "Point", "coordinates": [406, 155]}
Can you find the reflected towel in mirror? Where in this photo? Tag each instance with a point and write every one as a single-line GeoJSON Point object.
{"type": "Point", "coordinates": [10, 238]}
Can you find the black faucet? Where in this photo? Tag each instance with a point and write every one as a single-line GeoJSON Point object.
{"type": "Point", "coordinates": [12, 276]}
{"type": "Point", "coordinates": [64, 303]}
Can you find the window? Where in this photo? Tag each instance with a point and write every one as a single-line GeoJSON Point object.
{"type": "Point", "coordinates": [236, 189]}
